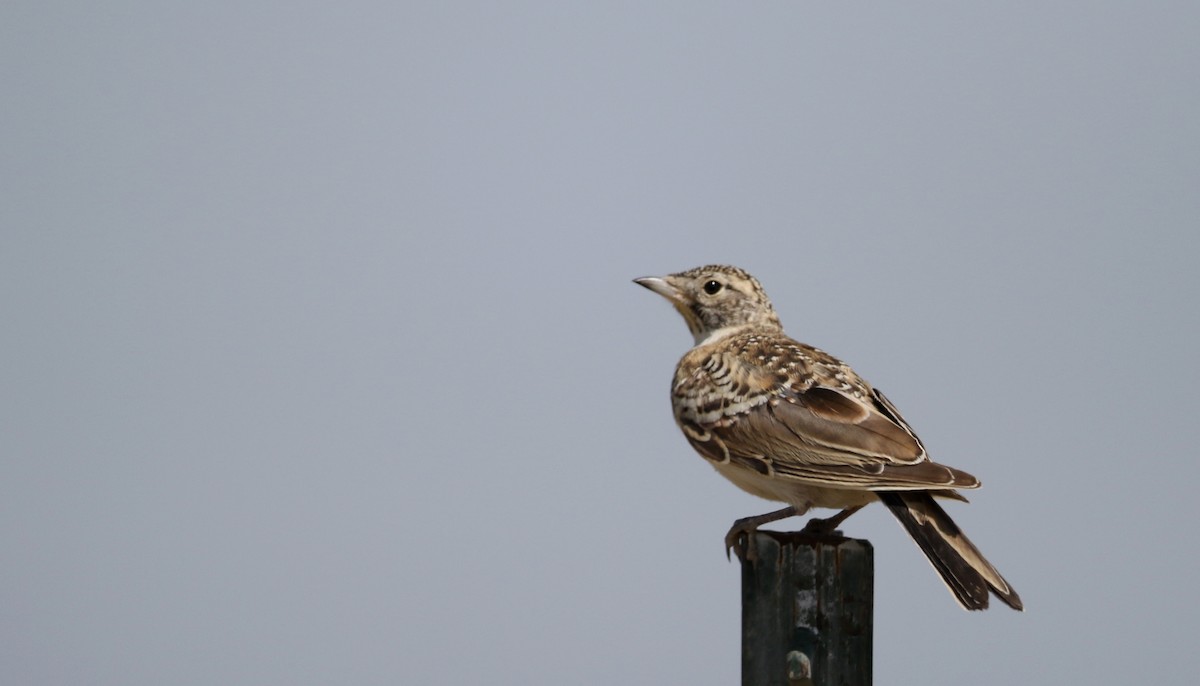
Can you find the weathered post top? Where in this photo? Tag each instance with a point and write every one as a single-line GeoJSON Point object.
{"type": "Point", "coordinates": [807, 603]}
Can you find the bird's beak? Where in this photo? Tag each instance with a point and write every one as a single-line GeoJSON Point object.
{"type": "Point", "coordinates": [661, 287]}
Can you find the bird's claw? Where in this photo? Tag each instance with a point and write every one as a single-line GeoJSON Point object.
{"type": "Point", "coordinates": [738, 539]}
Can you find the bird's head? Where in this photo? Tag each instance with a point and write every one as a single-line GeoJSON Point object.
{"type": "Point", "coordinates": [715, 300]}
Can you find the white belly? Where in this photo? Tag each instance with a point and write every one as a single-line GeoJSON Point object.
{"type": "Point", "coordinates": [796, 493]}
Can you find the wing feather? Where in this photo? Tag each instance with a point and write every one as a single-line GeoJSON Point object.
{"type": "Point", "coordinates": [844, 423]}
{"type": "Point", "coordinates": [790, 411]}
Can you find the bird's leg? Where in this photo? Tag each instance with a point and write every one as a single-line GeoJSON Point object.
{"type": "Point", "coordinates": [824, 527]}
{"type": "Point", "coordinates": [739, 534]}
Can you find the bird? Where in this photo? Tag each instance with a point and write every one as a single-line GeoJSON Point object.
{"type": "Point", "coordinates": [791, 423]}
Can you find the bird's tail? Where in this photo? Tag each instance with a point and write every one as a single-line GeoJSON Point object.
{"type": "Point", "coordinates": [964, 569]}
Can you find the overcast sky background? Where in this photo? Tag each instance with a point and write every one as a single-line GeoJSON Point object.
{"type": "Point", "coordinates": [322, 364]}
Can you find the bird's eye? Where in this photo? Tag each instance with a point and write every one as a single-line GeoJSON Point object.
{"type": "Point", "coordinates": [712, 287]}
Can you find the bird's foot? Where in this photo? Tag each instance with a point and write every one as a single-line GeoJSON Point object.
{"type": "Point", "coordinates": [738, 539]}
{"type": "Point", "coordinates": [739, 534]}
{"type": "Point", "coordinates": [828, 526]}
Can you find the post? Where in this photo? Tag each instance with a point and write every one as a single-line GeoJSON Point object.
{"type": "Point", "coordinates": [806, 610]}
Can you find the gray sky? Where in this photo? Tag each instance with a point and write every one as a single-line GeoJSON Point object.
{"type": "Point", "coordinates": [322, 363]}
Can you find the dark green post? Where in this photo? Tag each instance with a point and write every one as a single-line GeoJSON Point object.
{"type": "Point", "coordinates": [806, 610]}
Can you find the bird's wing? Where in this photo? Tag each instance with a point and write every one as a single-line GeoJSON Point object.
{"type": "Point", "coordinates": [854, 427]}
{"type": "Point", "coordinates": [810, 419]}
{"type": "Point", "coordinates": [741, 444]}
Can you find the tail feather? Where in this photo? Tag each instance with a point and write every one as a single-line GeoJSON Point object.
{"type": "Point", "coordinates": [960, 564]}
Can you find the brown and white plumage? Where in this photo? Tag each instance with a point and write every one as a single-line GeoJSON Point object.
{"type": "Point", "coordinates": [791, 423]}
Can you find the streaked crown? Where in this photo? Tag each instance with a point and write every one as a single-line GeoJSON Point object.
{"type": "Point", "coordinates": [716, 299]}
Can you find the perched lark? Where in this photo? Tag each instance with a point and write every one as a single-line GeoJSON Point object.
{"type": "Point", "coordinates": [791, 423]}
